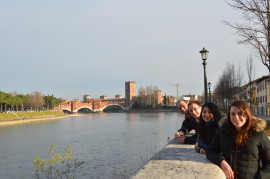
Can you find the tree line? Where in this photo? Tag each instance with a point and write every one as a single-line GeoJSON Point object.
{"type": "Point", "coordinates": [147, 98]}
{"type": "Point", "coordinates": [253, 31]}
{"type": "Point", "coordinates": [230, 82]}
{"type": "Point", "coordinates": [32, 101]}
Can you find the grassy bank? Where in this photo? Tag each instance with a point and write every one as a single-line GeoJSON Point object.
{"type": "Point", "coordinates": [4, 117]}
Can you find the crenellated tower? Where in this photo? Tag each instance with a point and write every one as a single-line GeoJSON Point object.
{"type": "Point", "coordinates": [130, 92]}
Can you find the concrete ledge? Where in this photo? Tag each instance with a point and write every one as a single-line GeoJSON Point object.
{"type": "Point", "coordinates": [179, 161]}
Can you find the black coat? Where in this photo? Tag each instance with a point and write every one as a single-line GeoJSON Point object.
{"type": "Point", "coordinates": [244, 160]}
{"type": "Point", "coordinates": [189, 124]}
{"type": "Point", "coordinates": [209, 129]}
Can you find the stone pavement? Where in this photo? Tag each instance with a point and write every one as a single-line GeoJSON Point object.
{"type": "Point", "coordinates": [179, 161]}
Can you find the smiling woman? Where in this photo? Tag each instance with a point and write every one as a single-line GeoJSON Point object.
{"type": "Point", "coordinates": [238, 118]}
{"type": "Point", "coordinates": [245, 148]}
{"type": "Point", "coordinates": [208, 126]}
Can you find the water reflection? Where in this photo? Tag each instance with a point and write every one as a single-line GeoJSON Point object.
{"type": "Point", "coordinates": [132, 116]}
{"type": "Point", "coordinates": [113, 145]}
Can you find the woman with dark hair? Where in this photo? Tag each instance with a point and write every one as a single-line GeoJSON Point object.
{"type": "Point", "coordinates": [208, 126]}
{"type": "Point", "coordinates": [241, 148]}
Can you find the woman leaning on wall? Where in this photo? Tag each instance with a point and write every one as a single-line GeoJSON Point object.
{"type": "Point", "coordinates": [241, 148]}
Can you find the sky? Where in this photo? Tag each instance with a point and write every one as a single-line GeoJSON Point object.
{"type": "Point", "coordinates": [69, 48]}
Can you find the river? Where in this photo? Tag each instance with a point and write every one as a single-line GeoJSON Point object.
{"type": "Point", "coordinates": [112, 145]}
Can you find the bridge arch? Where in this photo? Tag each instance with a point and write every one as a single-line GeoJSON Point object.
{"type": "Point", "coordinates": [84, 107]}
{"type": "Point", "coordinates": [66, 110]}
{"type": "Point", "coordinates": [113, 105]}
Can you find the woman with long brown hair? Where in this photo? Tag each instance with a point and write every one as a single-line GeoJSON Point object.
{"type": "Point", "coordinates": [241, 148]}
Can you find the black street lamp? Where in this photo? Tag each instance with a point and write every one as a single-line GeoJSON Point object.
{"type": "Point", "coordinates": [209, 88]}
{"type": "Point", "coordinates": [204, 54]}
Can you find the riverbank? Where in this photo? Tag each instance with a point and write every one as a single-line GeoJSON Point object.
{"type": "Point", "coordinates": [29, 117]}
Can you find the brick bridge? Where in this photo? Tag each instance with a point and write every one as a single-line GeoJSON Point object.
{"type": "Point", "coordinates": [95, 105]}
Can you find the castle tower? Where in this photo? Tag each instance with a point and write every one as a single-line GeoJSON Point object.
{"type": "Point", "coordinates": [130, 92]}
{"type": "Point", "coordinates": [86, 98]}
{"type": "Point", "coordinates": [158, 96]}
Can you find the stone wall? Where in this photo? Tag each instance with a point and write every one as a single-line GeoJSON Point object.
{"type": "Point", "coordinates": [179, 161]}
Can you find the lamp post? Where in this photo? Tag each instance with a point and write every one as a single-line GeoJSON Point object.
{"type": "Point", "coordinates": [209, 88]}
{"type": "Point", "coordinates": [204, 54]}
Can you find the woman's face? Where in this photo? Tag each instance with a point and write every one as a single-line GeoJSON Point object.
{"type": "Point", "coordinates": [237, 117]}
{"type": "Point", "coordinates": [207, 115]}
{"type": "Point", "coordinates": [195, 110]}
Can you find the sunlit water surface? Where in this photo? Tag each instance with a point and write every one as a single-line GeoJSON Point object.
{"type": "Point", "coordinates": [112, 145]}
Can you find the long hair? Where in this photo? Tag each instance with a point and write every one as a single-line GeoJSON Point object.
{"type": "Point", "coordinates": [216, 115]}
{"type": "Point", "coordinates": [241, 136]}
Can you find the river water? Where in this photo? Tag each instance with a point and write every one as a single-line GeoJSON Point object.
{"type": "Point", "coordinates": [112, 145]}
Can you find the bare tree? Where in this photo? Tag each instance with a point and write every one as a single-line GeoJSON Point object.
{"type": "Point", "coordinates": [256, 29]}
{"type": "Point", "coordinates": [146, 96]}
{"type": "Point", "coordinates": [228, 84]}
{"type": "Point", "coordinates": [36, 100]}
{"type": "Point", "coordinates": [250, 69]}
{"type": "Point", "coordinates": [251, 75]}
{"type": "Point", "coordinates": [239, 76]}
{"type": "Point", "coordinates": [149, 92]}
{"type": "Point", "coordinates": [142, 96]}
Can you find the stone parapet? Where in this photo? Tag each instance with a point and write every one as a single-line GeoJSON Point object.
{"type": "Point", "coordinates": [179, 161]}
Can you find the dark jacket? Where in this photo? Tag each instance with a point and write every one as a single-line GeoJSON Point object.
{"type": "Point", "coordinates": [251, 160]}
{"type": "Point", "coordinates": [189, 124]}
{"type": "Point", "coordinates": [210, 130]}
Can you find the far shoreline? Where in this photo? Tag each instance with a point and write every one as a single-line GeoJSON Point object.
{"type": "Point", "coordinates": [35, 120]}
{"type": "Point", "coordinates": [51, 118]}
{"type": "Point", "coordinates": [28, 121]}
{"type": "Point", "coordinates": [7, 119]}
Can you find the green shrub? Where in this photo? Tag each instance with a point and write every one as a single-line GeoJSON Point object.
{"type": "Point", "coordinates": [57, 166]}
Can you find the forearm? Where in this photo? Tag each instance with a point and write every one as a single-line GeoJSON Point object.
{"type": "Point", "coordinates": [198, 149]}
{"type": "Point", "coordinates": [183, 130]}
{"type": "Point", "coordinates": [186, 127]}
{"type": "Point", "coordinates": [190, 140]}
{"type": "Point", "coordinates": [214, 157]}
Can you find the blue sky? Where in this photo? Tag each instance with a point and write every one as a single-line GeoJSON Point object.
{"type": "Point", "coordinates": [70, 48]}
